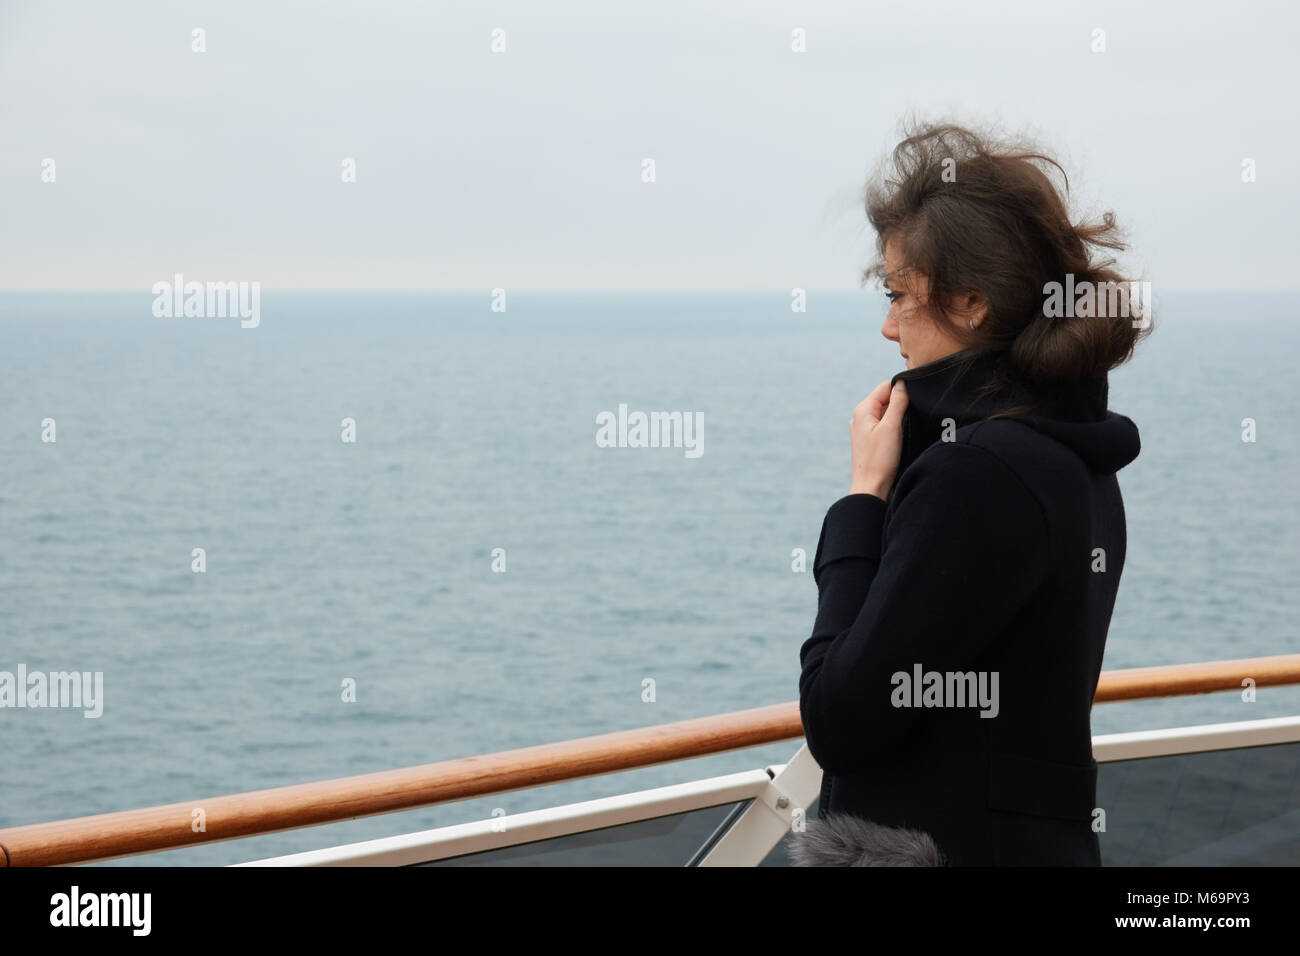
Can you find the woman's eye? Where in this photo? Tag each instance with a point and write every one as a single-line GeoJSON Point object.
{"type": "Point", "coordinates": [893, 296]}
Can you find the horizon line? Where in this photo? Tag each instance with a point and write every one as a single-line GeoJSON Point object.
{"type": "Point", "coordinates": [481, 290]}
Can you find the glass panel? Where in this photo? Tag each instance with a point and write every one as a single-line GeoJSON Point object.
{"type": "Point", "coordinates": [673, 840]}
{"type": "Point", "coordinates": [1222, 808]}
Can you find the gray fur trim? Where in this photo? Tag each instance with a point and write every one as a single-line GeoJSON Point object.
{"type": "Point", "coordinates": [845, 840]}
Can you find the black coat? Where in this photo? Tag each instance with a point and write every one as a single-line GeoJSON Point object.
{"type": "Point", "coordinates": [984, 561]}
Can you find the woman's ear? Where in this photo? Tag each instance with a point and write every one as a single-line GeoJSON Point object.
{"type": "Point", "coordinates": [970, 309]}
{"type": "Point", "coordinates": [973, 307]}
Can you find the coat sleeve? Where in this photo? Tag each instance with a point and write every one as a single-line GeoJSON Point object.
{"type": "Point", "coordinates": [965, 545]}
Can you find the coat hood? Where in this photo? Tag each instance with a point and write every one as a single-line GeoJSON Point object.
{"type": "Point", "coordinates": [956, 388]}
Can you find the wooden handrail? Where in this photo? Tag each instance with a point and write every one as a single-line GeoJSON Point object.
{"type": "Point", "coordinates": [1182, 680]}
{"type": "Point", "coordinates": [109, 835]}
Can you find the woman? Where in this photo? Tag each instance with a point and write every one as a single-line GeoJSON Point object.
{"type": "Point", "coordinates": [966, 582]}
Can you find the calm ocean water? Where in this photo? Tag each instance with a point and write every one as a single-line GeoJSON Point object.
{"type": "Point", "coordinates": [475, 431]}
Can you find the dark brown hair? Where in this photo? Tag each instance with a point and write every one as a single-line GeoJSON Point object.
{"type": "Point", "coordinates": [974, 212]}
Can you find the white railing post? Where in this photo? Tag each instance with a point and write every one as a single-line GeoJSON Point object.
{"type": "Point", "coordinates": [780, 808]}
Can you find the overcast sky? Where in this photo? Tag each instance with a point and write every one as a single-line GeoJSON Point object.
{"type": "Point", "coordinates": [523, 168]}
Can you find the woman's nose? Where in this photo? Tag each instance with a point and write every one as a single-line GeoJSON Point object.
{"type": "Point", "coordinates": [890, 329]}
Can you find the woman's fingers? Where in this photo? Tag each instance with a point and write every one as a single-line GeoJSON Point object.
{"type": "Point", "coordinates": [876, 439]}
{"type": "Point", "coordinates": [893, 415]}
{"type": "Point", "coordinates": [874, 405]}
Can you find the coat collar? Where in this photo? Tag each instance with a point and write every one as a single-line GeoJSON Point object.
{"type": "Point", "coordinates": [971, 386]}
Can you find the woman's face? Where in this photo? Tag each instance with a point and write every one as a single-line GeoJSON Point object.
{"type": "Point", "coordinates": [920, 340]}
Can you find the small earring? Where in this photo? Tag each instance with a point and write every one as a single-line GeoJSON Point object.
{"type": "Point", "coordinates": [971, 323]}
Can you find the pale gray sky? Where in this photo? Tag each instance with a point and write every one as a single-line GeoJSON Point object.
{"type": "Point", "coordinates": [522, 169]}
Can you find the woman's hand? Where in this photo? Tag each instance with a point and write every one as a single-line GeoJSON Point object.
{"type": "Point", "coordinates": [876, 437]}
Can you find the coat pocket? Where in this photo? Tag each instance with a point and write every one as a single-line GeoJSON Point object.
{"type": "Point", "coordinates": [1040, 812]}
{"type": "Point", "coordinates": [1041, 788]}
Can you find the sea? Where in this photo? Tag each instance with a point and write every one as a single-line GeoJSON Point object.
{"type": "Point", "coordinates": [269, 603]}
